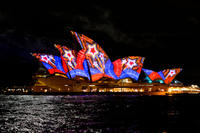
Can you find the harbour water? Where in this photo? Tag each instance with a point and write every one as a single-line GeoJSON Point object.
{"type": "Point", "coordinates": [99, 113]}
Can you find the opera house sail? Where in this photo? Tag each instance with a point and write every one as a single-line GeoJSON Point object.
{"type": "Point", "coordinates": [170, 74]}
{"type": "Point", "coordinates": [98, 61]}
{"type": "Point", "coordinates": [128, 67]}
{"type": "Point", "coordinates": [91, 64]}
{"type": "Point", "coordinates": [166, 76]}
{"type": "Point", "coordinates": [51, 63]}
{"type": "Point", "coordinates": [72, 65]}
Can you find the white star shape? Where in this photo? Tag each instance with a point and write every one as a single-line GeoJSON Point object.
{"type": "Point", "coordinates": [92, 50]}
{"type": "Point", "coordinates": [95, 64]}
{"type": "Point", "coordinates": [101, 55]}
{"type": "Point", "coordinates": [172, 73]}
{"type": "Point", "coordinates": [68, 54]}
{"type": "Point", "coordinates": [45, 58]}
{"type": "Point", "coordinates": [131, 63]}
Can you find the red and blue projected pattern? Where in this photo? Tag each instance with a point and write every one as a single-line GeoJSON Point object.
{"type": "Point", "coordinates": [170, 74]}
{"type": "Point", "coordinates": [128, 67]}
{"type": "Point", "coordinates": [154, 76]}
{"type": "Point", "coordinates": [98, 62]}
{"type": "Point", "coordinates": [93, 63]}
{"type": "Point", "coordinates": [51, 63]}
{"type": "Point", "coordinates": [71, 63]}
{"type": "Point", "coordinates": [166, 75]}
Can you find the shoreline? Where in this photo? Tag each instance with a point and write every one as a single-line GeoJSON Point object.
{"type": "Point", "coordinates": [104, 93]}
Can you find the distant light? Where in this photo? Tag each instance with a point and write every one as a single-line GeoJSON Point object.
{"type": "Point", "coordinates": [91, 85]}
{"type": "Point", "coordinates": [194, 86]}
{"type": "Point", "coordinates": [141, 90]}
{"type": "Point", "coordinates": [149, 89]}
{"type": "Point", "coordinates": [66, 85]}
{"type": "Point", "coordinates": [84, 90]}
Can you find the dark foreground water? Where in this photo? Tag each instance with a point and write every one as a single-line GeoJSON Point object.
{"type": "Point", "coordinates": [85, 114]}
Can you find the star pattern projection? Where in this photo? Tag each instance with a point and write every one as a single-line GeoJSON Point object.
{"type": "Point", "coordinates": [45, 58]}
{"type": "Point", "coordinates": [101, 55]}
{"type": "Point", "coordinates": [95, 64]}
{"type": "Point", "coordinates": [172, 73]}
{"type": "Point", "coordinates": [68, 54]}
{"type": "Point", "coordinates": [124, 61]}
{"type": "Point", "coordinates": [70, 64]}
{"type": "Point", "coordinates": [92, 50]}
{"type": "Point", "coordinates": [131, 63]}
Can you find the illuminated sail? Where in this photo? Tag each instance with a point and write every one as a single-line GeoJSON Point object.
{"type": "Point", "coordinates": [98, 62]}
{"type": "Point", "coordinates": [166, 76]}
{"type": "Point", "coordinates": [154, 76]}
{"type": "Point", "coordinates": [170, 74]}
{"type": "Point", "coordinates": [51, 63]}
{"type": "Point", "coordinates": [128, 67]}
{"type": "Point", "coordinates": [70, 61]}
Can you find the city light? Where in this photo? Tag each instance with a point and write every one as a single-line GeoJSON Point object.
{"type": "Point", "coordinates": [91, 85]}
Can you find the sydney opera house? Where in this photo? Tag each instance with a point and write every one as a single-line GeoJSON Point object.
{"type": "Point", "coordinates": [91, 70]}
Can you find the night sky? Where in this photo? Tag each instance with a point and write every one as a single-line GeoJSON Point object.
{"type": "Point", "coordinates": [166, 33]}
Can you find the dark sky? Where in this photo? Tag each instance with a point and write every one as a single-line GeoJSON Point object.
{"type": "Point", "coordinates": [166, 33]}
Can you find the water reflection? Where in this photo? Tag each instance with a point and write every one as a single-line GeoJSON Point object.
{"type": "Point", "coordinates": [156, 114]}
